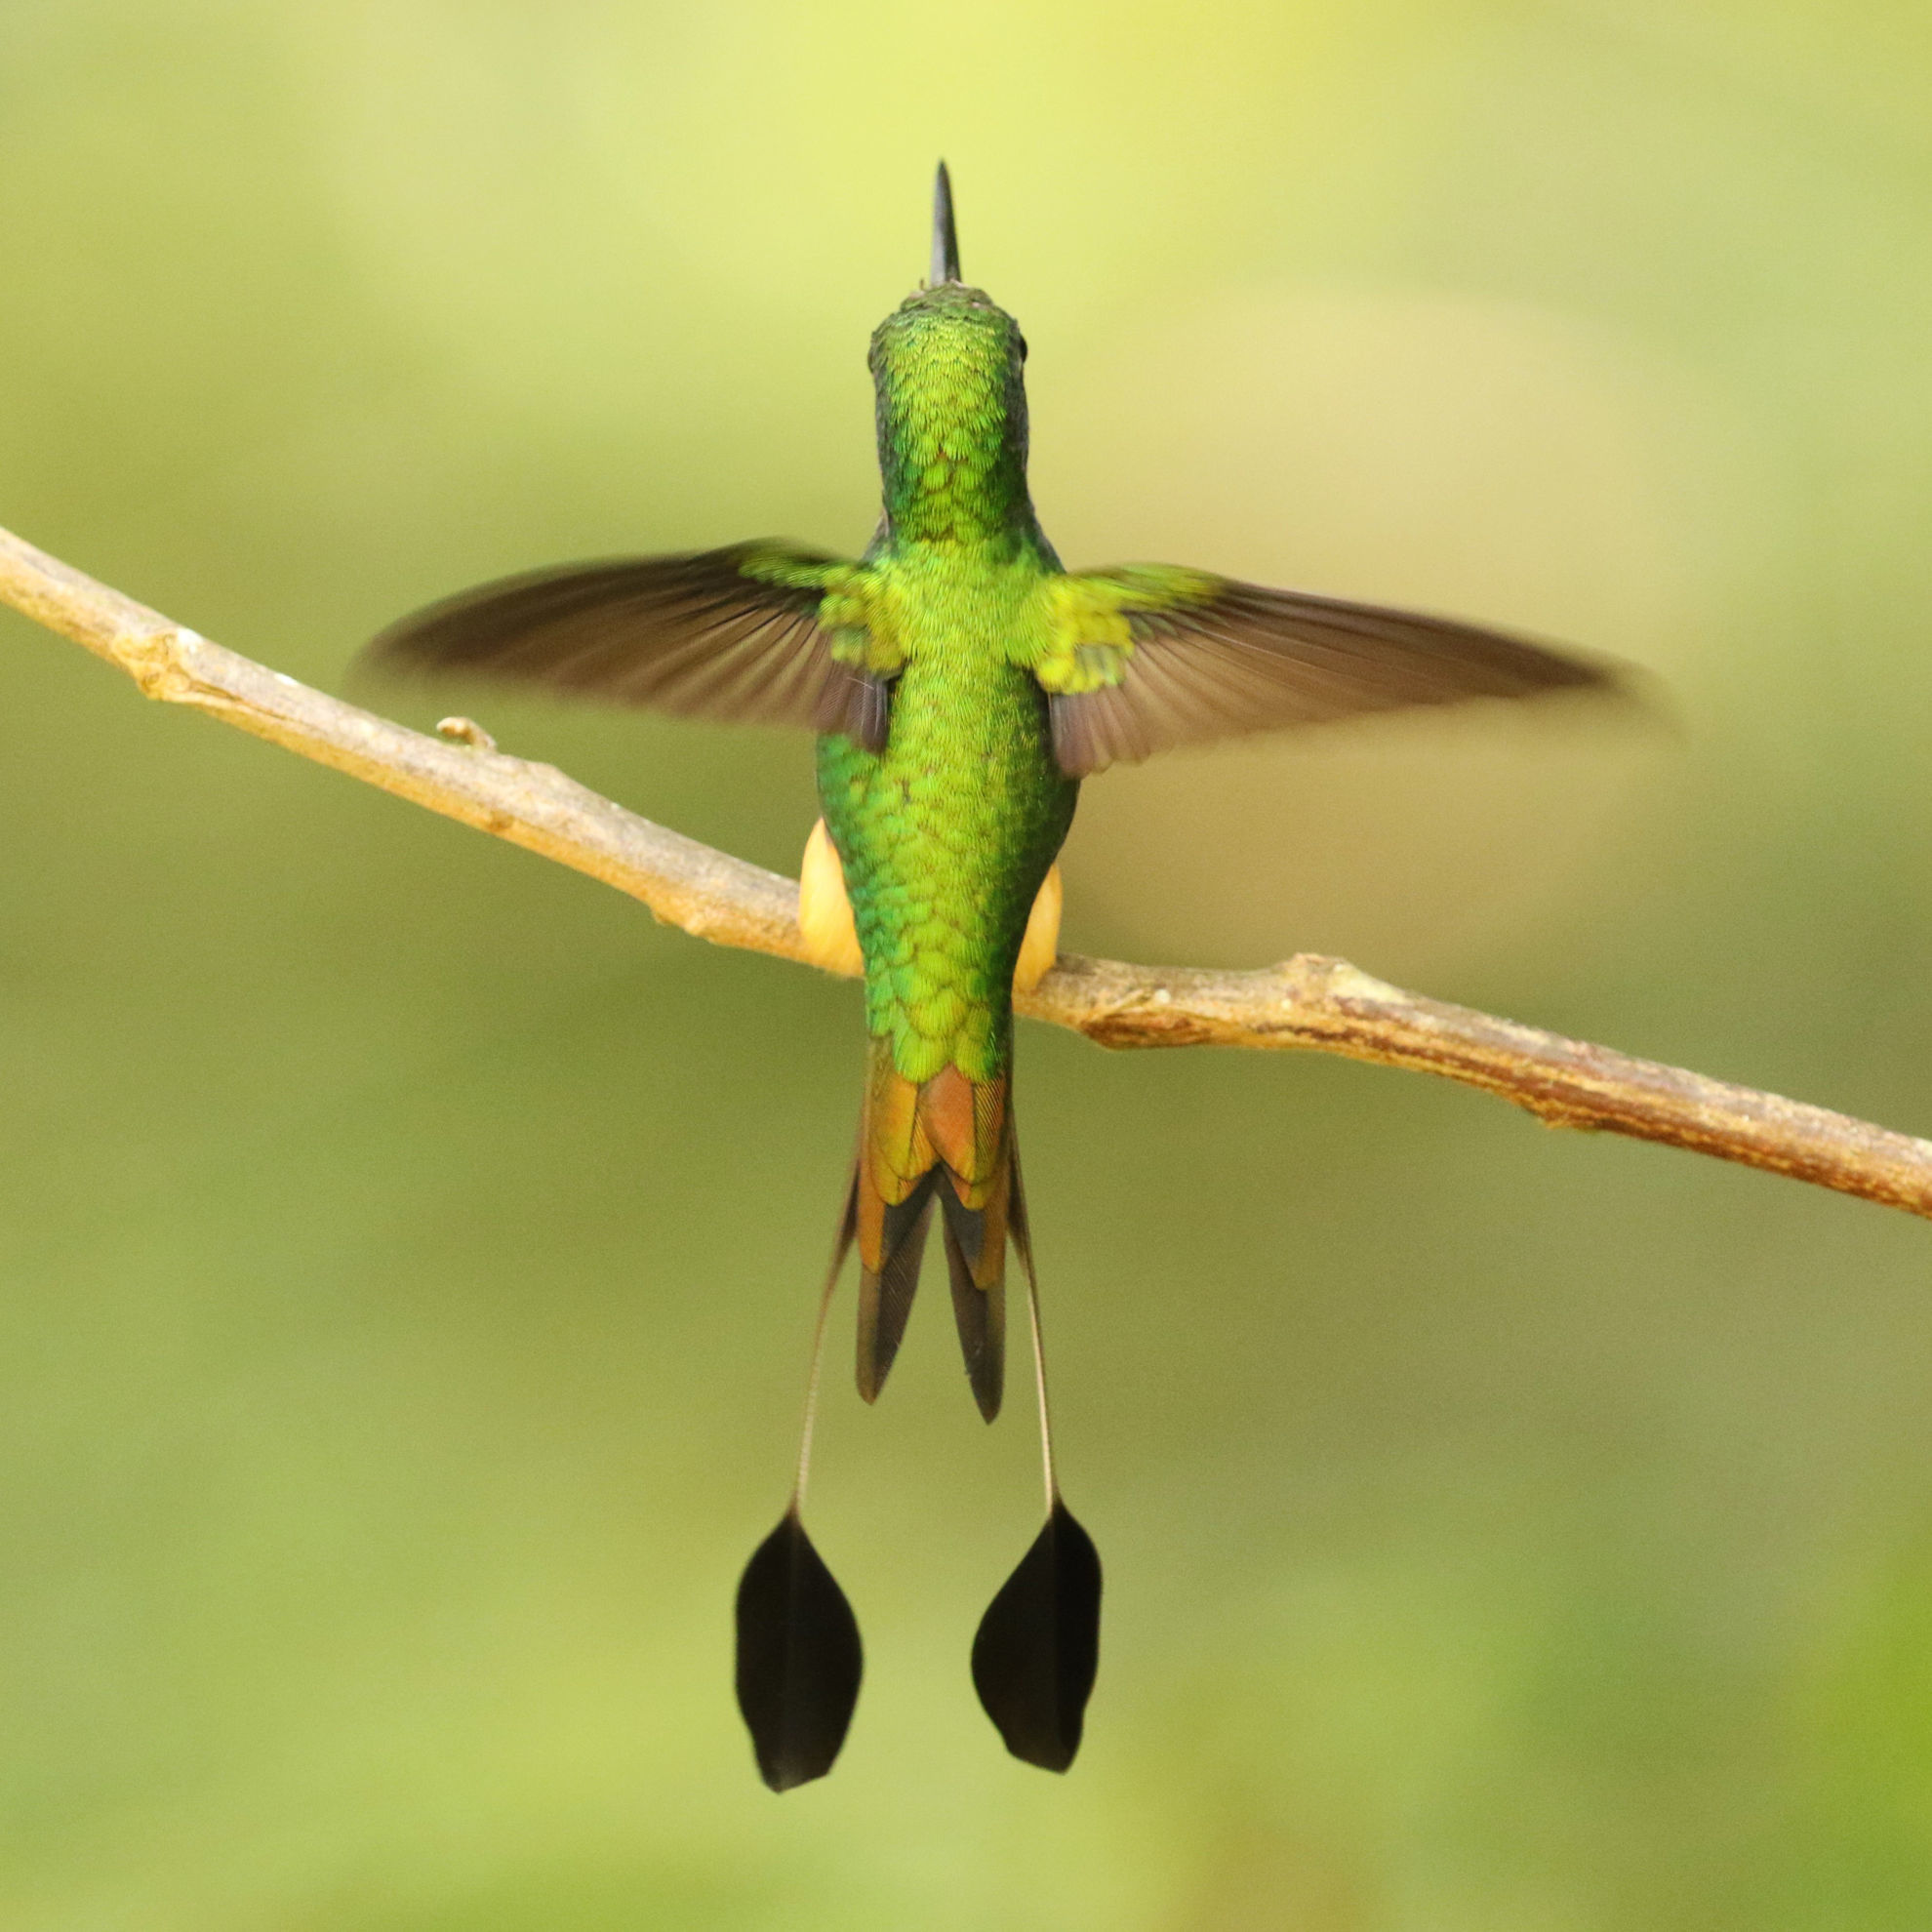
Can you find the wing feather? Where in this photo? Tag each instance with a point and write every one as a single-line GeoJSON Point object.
{"type": "Point", "coordinates": [731, 633]}
{"type": "Point", "coordinates": [1212, 658]}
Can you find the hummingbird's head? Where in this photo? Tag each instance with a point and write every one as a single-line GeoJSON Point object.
{"type": "Point", "coordinates": [951, 402]}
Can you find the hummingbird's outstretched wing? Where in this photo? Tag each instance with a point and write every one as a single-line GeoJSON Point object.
{"type": "Point", "coordinates": [1146, 657]}
{"type": "Point", "coordinates": [738, 634]}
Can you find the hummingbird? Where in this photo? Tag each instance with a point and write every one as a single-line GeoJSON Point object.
{"type": "Point", "coordinates": [962, 683]}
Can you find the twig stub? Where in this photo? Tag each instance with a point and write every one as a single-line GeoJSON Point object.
{"type": "Point", "coordinates": [1309, 1002]}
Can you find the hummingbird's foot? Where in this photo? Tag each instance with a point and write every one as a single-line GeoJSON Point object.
{"type": "Point", "coordinates": [831, 938]}
{"type": "Point", "coordinates": [825, 912]}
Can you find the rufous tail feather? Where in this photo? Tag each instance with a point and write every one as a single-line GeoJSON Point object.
{"type": "Point", "coordinates": [945, 1144]}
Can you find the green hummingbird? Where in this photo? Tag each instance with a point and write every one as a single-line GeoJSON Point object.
{"type": "Point", "coordinates": [962, 684]}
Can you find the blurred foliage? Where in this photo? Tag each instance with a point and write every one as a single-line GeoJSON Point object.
{"type": "Point", "coordinates": [406, 1251]}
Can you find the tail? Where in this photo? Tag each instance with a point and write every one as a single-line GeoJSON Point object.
{"type": "Point", "coordinates": [945, 1144]}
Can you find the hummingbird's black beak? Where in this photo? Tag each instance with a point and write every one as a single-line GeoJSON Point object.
{"type": "Point", "coordinates": [945, 237]}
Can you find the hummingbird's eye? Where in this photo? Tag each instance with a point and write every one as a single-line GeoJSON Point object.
{"type": "Point", "coordinates": [1023, 348]}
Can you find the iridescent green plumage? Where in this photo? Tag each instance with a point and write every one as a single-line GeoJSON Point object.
{"type": "Point", "coordinates": [962, 685]}
{"type": "Point", "coordinates": [947, 830]}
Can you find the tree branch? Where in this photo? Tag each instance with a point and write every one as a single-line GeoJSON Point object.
{"type": "Point", "coordinates": [1307, 1001]}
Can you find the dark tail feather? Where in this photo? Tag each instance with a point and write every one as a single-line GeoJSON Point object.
{"type": "Point", "coordinates": [799, 1659]}
{"type": "Point", "coordinates": [885, 1297]}
{"type": "Point", "coordinates": [978, 1314]}
{"type": "Point", "coordinates": [945, 1141]}
{"type": "Point", "coordinates": [1019, 1229]}
{"type": "Point", "coordinates": [848, 1228]}
{"type": "Point", "coordinates": [1037, 1650]}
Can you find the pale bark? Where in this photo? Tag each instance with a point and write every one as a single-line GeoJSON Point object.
{"type": "Point", "coordinates": [1308, 1001]}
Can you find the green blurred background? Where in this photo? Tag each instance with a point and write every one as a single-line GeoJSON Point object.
{"type": "Point", "coordinates": [409, 1250]}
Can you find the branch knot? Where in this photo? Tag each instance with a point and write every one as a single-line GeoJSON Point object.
{"type": "Point", "coordinates": [1310, 1002]}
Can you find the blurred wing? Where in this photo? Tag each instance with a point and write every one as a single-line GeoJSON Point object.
{"type": "Point", "coordinates": [1204, 658]}
{"type": "Point", "coordinates": [732, 634]}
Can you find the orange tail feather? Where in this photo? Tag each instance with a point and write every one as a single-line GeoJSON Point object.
{"type": "Point", "coordinates": [947, 1144]}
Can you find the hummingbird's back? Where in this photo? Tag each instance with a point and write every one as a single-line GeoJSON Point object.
{"type": "Point", "coordinates": [962, 684]}
{"type": "Point", "coordinates": [948, 829]}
